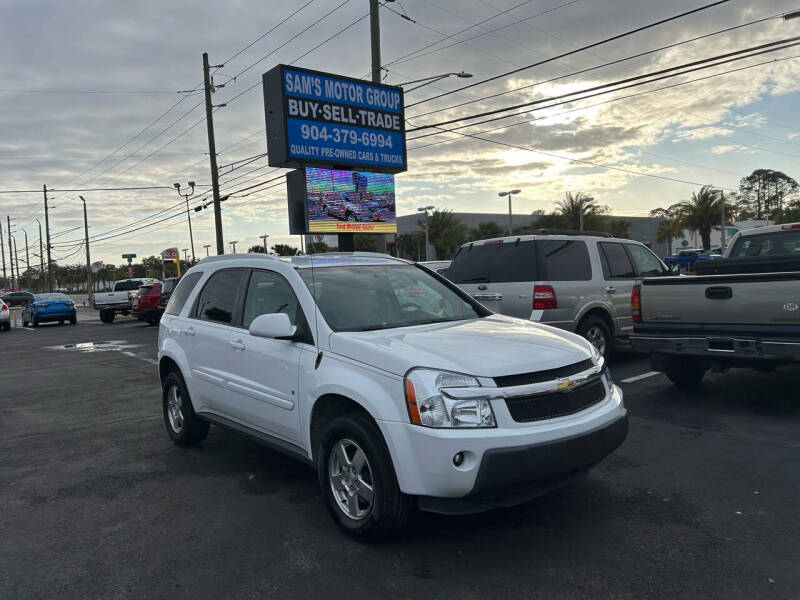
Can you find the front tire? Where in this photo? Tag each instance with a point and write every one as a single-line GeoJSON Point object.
{"type": "Point", "coordinates": [183, 425]}
{"type": "Point", "coordinates": [358, 481]}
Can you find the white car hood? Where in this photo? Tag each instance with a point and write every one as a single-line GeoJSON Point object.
{"type": "Point", "coordinates": [489, 347]}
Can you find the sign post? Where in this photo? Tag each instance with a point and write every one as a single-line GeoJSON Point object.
{"type": "Point", "coordinates": [170, 255]}
{"type": "Point", "coordinates": [129, 258]}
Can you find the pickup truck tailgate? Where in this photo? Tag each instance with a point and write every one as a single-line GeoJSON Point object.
{"type": "Point", "coordinates": [759, 298]}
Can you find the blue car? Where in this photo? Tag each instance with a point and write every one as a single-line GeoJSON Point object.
{"type": "Point", "coordinates": [49, 307]}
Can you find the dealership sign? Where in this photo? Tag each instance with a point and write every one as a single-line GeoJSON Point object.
{"type": "Point", "coordinates": [97, 266]}
{"type": "Point", "coordinates": [327, 120]}
{"type": "Point", "coordinates": [169, 254]}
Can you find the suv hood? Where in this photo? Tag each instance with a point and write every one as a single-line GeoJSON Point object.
{"type": "Point", "coordinates": [489, 347]}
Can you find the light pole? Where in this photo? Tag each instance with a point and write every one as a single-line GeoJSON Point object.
{"type": "Point", "coordinates": [88, 259]}
{"type": "Point", "coordinates": [510, 220]}
{"type": "Point", "coordinates": [233, 245]}
{"type": "Point", "coordinates": [433, 79]}
{"type": "Point", "coordinates": [264, 238]}
{"type": "Point", "coordinates": [425, 209]}
{"type": "Point", "coordinates": [207, 246]}
{"type": "Point", "coordinates": [27, 259]}
{"type": "Point", "coordinates": [177, 186]}
{"type": "Point", "coordinates": [185, 255]}
{"type": "Point", "coordinates": [41, 256]}
{"type": "Point", "coordinates": [16, 261]}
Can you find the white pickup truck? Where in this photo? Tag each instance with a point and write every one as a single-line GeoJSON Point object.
{"type": "Point", "coordinates": [739, 311]}
{"type": "Point", "coordinates": [118, 301]}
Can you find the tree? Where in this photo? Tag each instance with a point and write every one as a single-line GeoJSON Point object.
{"type": "Point", "coordinates": [702, 213]}
{"type": "Point", "coordinates": [317, 248]}
{"type": "Point", "coordinates": [446, 233]}
{"type": "Point", "coordinates": [486, 230]}
{"type": "Point", "coordinates": [257, 249]}
{"type": "Point", "coordinates": [765, 191]}
{"type": "Point", "coordinates": [409, 245]}
{"type": "Point", "coordinates": [575, 205]}
{"type": "Point", "coordinates": [285, 250]}
{"type": "Point", "coordinates": [670, 226]}
{"type": "Point", "coordinates": [364, 243]}
{"type": "Point", "coordinates": [619, 228]}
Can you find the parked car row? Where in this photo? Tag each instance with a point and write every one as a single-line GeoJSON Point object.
{"type": "Point", "coordinates": [144, 298]}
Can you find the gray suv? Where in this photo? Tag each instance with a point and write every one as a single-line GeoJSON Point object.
{"type": "Point", "coordinates": [579, 281]}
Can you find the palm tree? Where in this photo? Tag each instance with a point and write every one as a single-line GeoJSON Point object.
{"type": "Point", "coordinates": [573, 206]}
{"type": "Point", "coordinates": [702, 213]}
{"type": "Point", "coordinates": [670, 227]}
{"type": "Point", "coordinates": [485, 231]}
{"type": "Point", "coordinates": [446, 233]}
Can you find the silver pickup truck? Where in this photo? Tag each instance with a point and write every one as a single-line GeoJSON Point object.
{"type": "Point", "coordinates": [118, 300]}
{"type": "Point", "coordinates": [741, 311]}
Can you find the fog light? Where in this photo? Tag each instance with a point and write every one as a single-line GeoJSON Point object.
{"type": "Point", "coordinates": [458, 459]}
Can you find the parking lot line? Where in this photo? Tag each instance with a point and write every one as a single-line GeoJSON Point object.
{"type": "Point", "coordinates": [640, 377]}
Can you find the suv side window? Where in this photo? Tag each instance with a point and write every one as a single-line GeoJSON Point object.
{"type": "Point", "coordinates": [494, 262]}
{"type": "Point", "coordinates": [616, 264]}
{"type": "Point", "coordinates": [564, 260]}
{"type": "Point", "coordinates": [181, 293]}
{"type": "Point", "coordinates": [647, 265]}
{"type": "Point", "coordinates": [217, 300]}
{"type": "Point", "coordinates": [267, 293]}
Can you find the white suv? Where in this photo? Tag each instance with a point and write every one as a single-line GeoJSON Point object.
{"type": "Point", "coordinates": [398, 387]}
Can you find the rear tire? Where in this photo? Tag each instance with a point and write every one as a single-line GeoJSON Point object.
{"type": "Point", "coordinates": [595, 330]}
{"type": "Point", "coordinates": [353, 457]}
{"type": "Point", "coordinates": [685, 374]}
{"type": "Point", "coordinates": [73, 321]}
{"type": "Point", "coordinates": [107, 316]}
{"type": "Point", "coordinates": [183, 425]}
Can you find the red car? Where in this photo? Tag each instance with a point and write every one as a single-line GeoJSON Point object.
{"type": "Point", "coordinates": [147, 303]}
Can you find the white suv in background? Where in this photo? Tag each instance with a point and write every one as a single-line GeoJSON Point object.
{"type": "Point", "coordinates": [397, 387]}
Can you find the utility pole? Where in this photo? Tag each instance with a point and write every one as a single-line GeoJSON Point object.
{"type": "Point", "coordinates": [16, 260]}
{"type": "Point", "coordinates": [88, 260]}
{"type": "Point", "coordinates": [722, 229]}
{"type": "Point", "coordinates": [27, 259]}
{"type": "Point", "coordinates": [264, 238]}
{"type": "Point", "coordinates": [3, 252]}
{"type": "Point", "coordinates": [375, 42]}
{"type": "Point", "coordinates": [233, 245]}
{"type": "Point", "coordinates": [41, 256]}
{"type": "Point", "coordinates": [10, 251]}
{"type": "Point", "coordinates": [212, 153]}
{"type": "Point", "coordinates": [47, 233]}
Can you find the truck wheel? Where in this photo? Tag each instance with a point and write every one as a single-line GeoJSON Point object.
{"type": "Point", "coordinates": [596, 331]}
{"type": "Point", "coordinates": [684, 373]}
{"type": "Point", "coordinates": [107, 316]}
{"type": "Point", "coordinates": [183, 425]}
{"type": "Point", "coordinates": [73, 321]}
{"type": "Point", "coordinates": [357, 479]}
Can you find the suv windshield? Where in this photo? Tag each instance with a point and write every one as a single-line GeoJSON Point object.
{"type": "Point", "coordinates": [362, 298]}
{"type": "Point", "coordinates": [775, 243]}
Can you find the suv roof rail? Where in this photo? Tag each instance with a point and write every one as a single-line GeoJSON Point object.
{"type": "Point", "coordinates": [569, 232]}
{"type": "Point", "coordinates": [252, 255]}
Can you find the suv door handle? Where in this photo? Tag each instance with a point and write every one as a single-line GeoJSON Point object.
{"type": "Point", "coordinates": [238, 344]}
{"type": "Point", "coordinates": [189, 331]}
{"type": "Point", "coordinates": [611, 289]}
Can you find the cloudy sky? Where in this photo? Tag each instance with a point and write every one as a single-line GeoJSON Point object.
{"type": "Point", "coordinates": [60, 126]}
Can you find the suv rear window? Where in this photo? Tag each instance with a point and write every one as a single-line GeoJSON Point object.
{"type": "Point", "coordinates": [145, 289]}
{"type": "Point", "coordinates": [127, 286]}
{"type": "Point", "coordinates": [217, 300]}
{"type": "Point", "coordinates": [494, 263]}
{"type": "Point", "coordinates": [616, 264]}
{"type": "Point", "coordinates": [564, 260]}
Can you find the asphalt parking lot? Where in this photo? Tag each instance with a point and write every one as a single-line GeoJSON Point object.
{"type": "Point", "coordinates": [96, 501]}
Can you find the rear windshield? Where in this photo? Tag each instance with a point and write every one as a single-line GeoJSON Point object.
{"type": "Point", "coordinates": [168, 286]}
{"type": "Point", "coordinates": [126, 286]}
{"type": "Point", "coordinates": [494, 263]}
{"type": "Point", "coordinates": [775, 243]}
{"type": "Point", "coordinates": [52, 296]}
{"type": "Point", "coordinates": [145, 289]}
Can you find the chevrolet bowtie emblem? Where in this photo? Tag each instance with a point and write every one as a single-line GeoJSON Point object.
{"type": "Point", "coordinates": [565, 385]}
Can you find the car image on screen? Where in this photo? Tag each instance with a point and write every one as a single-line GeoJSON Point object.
{"type": "Point", "coordinates": [350, 201]}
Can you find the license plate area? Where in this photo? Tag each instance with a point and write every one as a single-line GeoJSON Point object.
{"type": "Point", "coordinates": [721, 345]}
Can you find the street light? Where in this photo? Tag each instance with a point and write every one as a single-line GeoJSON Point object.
{"type": "Point", "coordinates": [207, 246]}
{"type": "Point", "coordinates": [433, 79]}
{"type": "Point", "coordinates": [509, 194]}
{"type": "Point", "coordinates": [722, 208]}
{"type": "Point", "coordinates": [233, 245]}
{"type": "Point", "coordinates": [185, 258]}
{"type": "Point", "coordinates": [425, 209]}
{"type": "Point", "coordinates": [177, 187]}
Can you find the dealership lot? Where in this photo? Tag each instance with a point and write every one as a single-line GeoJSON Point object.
{"type": "Point", "coordinates": [96, 501]}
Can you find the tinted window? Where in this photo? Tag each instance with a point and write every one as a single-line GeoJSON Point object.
{"type": "Point", "coordinates": [564, 260]}
{"type": "Point", "coordinates": [168, 286]}
{"type": "Point", "coordinates": [181, 294]}
{"type": "Point", "coordinates": [145, 289]}
{"type": "Point", "coordinates": [269, 293]}
{"type": "Point", "coordinates": [776, 243]}
{"type": "Point", "coordinates": [616, 264]}
{"type": "Point", "coordinates": [647, 265]}
{"type": "Point", "coordinates": [127, 286]}
{"type": "Point", "coordinates": [217, 301]}
{"type": "Point", "coordinates": [494, 263]}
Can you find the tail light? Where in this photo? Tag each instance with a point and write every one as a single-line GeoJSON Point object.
{"type": "Point", "coordinates": [544, 297]}
{"type": "Point", "coordinates": [3, 308]}
{"type": "Point", "coordinates": [792, 226]}
{"type": "Point", "coordinates": [636, 303]}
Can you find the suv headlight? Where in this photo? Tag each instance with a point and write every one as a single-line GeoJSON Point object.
{"type": "Point", "coordinates": [429, 406]}
{"type": "Point", "coordinates": [599, 359]}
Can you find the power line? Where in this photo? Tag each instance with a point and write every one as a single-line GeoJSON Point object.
{"type": "Point", "coordinates": [581, 49]}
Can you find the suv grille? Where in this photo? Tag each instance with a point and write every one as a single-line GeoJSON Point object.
{"type": "Point", "coordinates": [540, 376]}
{"type": "Point", "coordinates": [555, 404]}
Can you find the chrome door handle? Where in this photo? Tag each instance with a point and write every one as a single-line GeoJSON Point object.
{"type": "Point", "coordinates": [189, 331]}
{"type": "Point", "coordinates": [238, 344]}
{"type": "Point", "coordinates": [611, 289]}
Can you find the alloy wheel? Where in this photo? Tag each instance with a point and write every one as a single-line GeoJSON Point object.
{"type": "Point", "coordinates": [175, 409]}
{"type": "Point", "coordinates": [597, 336]}
{"type": "Point", "coordinates": [351, 480]}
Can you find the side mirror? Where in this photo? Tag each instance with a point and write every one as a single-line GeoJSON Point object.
{"type": "Point", "coordinates": [274, 326]}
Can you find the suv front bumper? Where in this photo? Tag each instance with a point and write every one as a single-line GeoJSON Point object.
{"type": "Point", "coordinates": [502, 466]}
